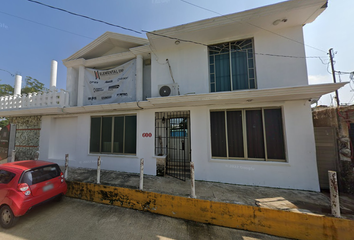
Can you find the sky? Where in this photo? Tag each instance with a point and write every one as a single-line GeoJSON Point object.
{"type": "Point", "coordinates": [31, 35]}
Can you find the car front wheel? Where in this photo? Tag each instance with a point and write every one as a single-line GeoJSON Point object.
{"type": "Point", "coordinates": [7, 218]}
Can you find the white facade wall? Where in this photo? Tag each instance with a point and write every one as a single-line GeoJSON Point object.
{"type": "Point", "coordinates": [190, 68]}
{"type": "Point", "coordinates": [61, 135]}
{"type": "Point", "coordinates": [190, 64]}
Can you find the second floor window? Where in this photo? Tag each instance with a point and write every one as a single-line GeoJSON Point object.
{"type": "Point", "coordinates": [232, 66]}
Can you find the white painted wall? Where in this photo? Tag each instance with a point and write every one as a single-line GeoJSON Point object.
{"type": "Point", "coordinates": [280, 71]}
{"type": "Point", "coordinates": [61, 135]}
{"type": "Point", "coordinates": [299, 172]}
{"type": "Point", "coordinates": [190, 64]}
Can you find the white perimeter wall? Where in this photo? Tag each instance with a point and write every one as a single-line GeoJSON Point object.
{"type": "Point", "coordinates": [190, 64]}
{"type": "Point", "coordinates": [61, 135]}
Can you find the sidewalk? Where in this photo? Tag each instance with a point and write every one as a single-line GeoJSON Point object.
{"type": "Point", "coordinates": [273, 198]}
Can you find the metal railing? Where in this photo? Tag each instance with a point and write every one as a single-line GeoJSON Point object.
{"type": "Point", "coordinates": [35, 100]}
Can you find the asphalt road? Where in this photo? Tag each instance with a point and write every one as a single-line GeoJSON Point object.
{"type": "Point", "coordinates": [78, 219]}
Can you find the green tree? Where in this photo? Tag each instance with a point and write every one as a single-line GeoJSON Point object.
{"type": "Point", "coordinates": [31, 85]}
{"type": "Point", "coordinates": [4, 122]}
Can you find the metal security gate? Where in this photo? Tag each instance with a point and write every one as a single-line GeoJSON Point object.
{"type": "Point", "coordinates": [172, 133]}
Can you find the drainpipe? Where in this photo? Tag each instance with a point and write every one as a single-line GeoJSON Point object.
{"type": "Point", "coordinates": [18, 83]}
{"type": "Point", "coordinates": [139, 78]}
{"type": "Point", "coordinates": [53, 75]}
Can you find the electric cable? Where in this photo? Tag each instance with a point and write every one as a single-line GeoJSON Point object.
{"type": "Point", "coordinates": [84, 16]}
{"type": "Point", "coordinates": [25, 19]}
{"type": "Point", "coordinates": [12, 75]}
{"type": "Point", "coordinates": [153, 33]}
{"type": "Point", "coordinates": [254, 25]}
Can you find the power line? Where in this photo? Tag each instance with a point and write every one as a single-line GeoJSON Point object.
{"type": "Point", "coordinates": [203, 44]}
{"type": "Point", "coordinates": [7, 72]}
{"type": "Point", "coordinates": [84, 16]}
{"type": "Point", "coordinates": [25, 19]}
{"type": "Point", "coordinates": [156, 34]}
{"type": "Point", "coordinates": [254, 26]}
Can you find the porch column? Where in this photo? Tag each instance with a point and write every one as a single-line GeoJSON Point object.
{"type": "Point", "coordinates": [72, 77]}
{"type": "Point", "coordinates": [53, 75]}
{"type": "Point", "coordinates": [139, 78]}
{"type": "Point", "coordinates": [18, 83]}
{"type": "Point", "coordinates": [80, 86]}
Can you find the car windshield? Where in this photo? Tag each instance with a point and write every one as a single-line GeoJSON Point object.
{"type": "Point", "coordinates": [41, 174]}
{"type": "Point", "coordinates": [6, 176]}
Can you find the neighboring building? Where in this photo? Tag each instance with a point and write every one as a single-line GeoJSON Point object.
{"type": "Point", "coordinates": [232, 104]}
{"type": "Point", "coordinates": [334, 134]}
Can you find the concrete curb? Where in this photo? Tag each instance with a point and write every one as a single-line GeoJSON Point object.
{"type": "Point", "coordinates": [273, 222]}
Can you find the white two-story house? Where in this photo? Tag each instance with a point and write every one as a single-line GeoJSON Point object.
{"type": "Point", "coordinates": [229, 93]}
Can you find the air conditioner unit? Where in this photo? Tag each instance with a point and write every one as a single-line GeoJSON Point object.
{"type": "Point", "coordinates": [166, 90]}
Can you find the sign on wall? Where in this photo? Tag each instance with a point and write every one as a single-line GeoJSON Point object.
{"type": "Point", "coordinates": [115, 85]}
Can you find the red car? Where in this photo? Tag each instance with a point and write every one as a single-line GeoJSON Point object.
{"type": "Point", "coordinates": [24, 184]}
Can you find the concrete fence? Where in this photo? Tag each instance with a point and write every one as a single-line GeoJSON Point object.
{"type": "Point", "coordinates": [35, 100]}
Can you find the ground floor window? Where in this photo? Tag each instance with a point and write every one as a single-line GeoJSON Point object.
{"type": "Point", "coordinates": [113, 134]}
{"type": "Point", "coordinates": [255, 134]}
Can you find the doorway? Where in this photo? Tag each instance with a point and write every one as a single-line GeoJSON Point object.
{"type": "Point", "coordinates": [172, 132]}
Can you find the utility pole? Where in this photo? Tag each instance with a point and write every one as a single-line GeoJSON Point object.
{"type": "Point", "coordinates": [333, 74]}
{"type": "Point", "coordinates": [339, 125]}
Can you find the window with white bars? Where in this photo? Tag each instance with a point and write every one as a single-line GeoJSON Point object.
{"type": "Point", "coordinates": [232, 66]}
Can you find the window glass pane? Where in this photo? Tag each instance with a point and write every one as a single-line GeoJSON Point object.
{"type": "Point", "coordinates": [42, 174]}
{"type": "Point", "coordinates": [250, 62]}
{"type": "Point", "coordinates": [255, 141]}
{"type": "Point", "coordinates": [106, 134]}
{"type": "Point", "coordinates": [118, 134]}
{"type": "Point", "coordinates": [6, 177]}
{"type": "Point", "coordinates": [211, 68]}
{"type": "Point", "coordinates": [212, 87]}
{"type": "Point", "coordinates": [130, 134]}
{"type": "Point", "coordinates": [222, 72]}
{"type": "Point", "coordinates": [251, 73]}
{"type": "Point", "coordinates": [239, 70]}
{"type": "Point", "coordinates": [274, 133]}
{"type": "Point", "coordinates": [95, 134]}
{"type": "Point", "coordinates": [252, 84]}
{"type": "Point", "coordinates": [218, 135]}
{"type": "Point", "coordinates": [235, 133]}
{"type": "Point", "coordinates": [211, 59]}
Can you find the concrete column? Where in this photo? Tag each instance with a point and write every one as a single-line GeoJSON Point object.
{"type": "Point", "coordinates": [66, 166]}
{"type": "Point", "coordinates": [192, 181]}
{"type": "Point", "coordinates": [141, 185]}
{"type": "Point", "coordinates": [53, 75]}
{"type": "Point", "coordinates": [72, 77]}
{"type": "Point", "coordinates": [80, 87]}
{"type": "Point", "coordinates": [99, 170]}
{"type": "Point", "coordinates": [18, 85]}
{"type": "Point", "coordinates": [139, 78]}
{"type": "Point", "coordinates": [333, 189]}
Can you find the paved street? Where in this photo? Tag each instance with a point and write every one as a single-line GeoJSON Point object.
{"type": "Point", "coordinates": [78, 219]}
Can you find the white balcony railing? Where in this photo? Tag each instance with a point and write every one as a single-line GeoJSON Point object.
{"type": "Point", "coordinates": [35, 100]}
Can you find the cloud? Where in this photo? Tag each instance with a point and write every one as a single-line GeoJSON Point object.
{"type": "Point", "coordinates": [320, 79]}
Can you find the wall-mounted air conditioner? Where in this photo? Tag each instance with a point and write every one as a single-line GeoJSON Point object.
{"type": "Point", "coordinates": [166, 90]}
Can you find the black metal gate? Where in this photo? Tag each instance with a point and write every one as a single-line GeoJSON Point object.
{"type": "Point", "coordinates": [173, 140]}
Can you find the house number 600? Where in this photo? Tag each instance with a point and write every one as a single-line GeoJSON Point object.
{"type": "Point", "coordinates": [147, 134]}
